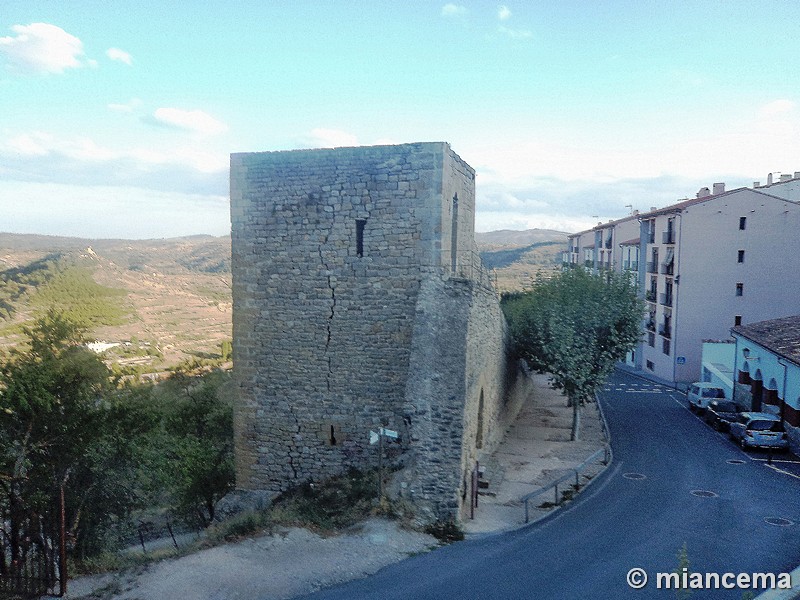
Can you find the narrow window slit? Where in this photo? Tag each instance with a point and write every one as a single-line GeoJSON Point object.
{"type": "Point", "coordinates": [360, 224]}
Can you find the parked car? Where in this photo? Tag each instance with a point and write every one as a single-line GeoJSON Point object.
{"type": "Point", "coordinates": [760, 430]}
{"type": "Point", "coordinates": [703, 392]}
{"type": "Point", "coordinates": [720, 414]}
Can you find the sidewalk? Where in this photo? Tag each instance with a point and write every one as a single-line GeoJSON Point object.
{"type": "Point", "coordinates": [536, 451]}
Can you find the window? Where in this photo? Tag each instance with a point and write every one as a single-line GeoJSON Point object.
{"type": "Point", "coordinates": [740, 258]}
{"type": "Point", "coordinates": [360, 224]}
{"type": "Point", "coordinates": [651, 339]}
{"type": "Point", "coordinates": [650, 365]}
{"type": "Point", "coordinates": [739, 289]}
{"type": "Point", "coordinates": [665, 346]}
{"type": "Point", "coordinates": [742, 223]}
{"type": "Point", "coordinates": [737, 320]}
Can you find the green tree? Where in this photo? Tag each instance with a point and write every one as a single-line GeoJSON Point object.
{"type": "Point", "coordinates": [576, 326]}
{"type": "Point", "coordinates": [198, 422]}
{"type": "Point", "coordinates": [61, 424]}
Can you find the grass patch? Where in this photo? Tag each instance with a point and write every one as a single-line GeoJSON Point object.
{"type": "Point", "coordinates": [330, 505]}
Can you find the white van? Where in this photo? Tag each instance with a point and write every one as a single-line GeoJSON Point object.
{"type": "Point", "coordinates": [703, 392]}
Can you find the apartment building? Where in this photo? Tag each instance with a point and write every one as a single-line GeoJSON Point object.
{"type": "Point", "coordinates": [704, 265]}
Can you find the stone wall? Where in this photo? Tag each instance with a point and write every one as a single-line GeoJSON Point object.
{"type": "Point", "coordinates": [359, 302]}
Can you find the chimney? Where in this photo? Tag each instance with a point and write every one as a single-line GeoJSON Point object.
{"type": "Point", "coordinates": [769, 179]}
{"type": "Point", "coordinates": [703, 192]}
{"type": "Point", "coordinates": [653, 208]}
{"type": "Point", "coordinates": [719, 188]}
{"type": "Point", "coordinates": [786, 177]}
{"type": "Point", "coordinates": [756, 184]}
{"type": "Point", "coordinates": [796, 174]}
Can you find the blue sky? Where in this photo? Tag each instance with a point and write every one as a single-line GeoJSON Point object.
{"type": "Point", "coordinates": [117, 118]}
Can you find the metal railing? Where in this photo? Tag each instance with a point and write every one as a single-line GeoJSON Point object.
{"type": "Point", "coordinates": [575, 473]}
{"type": "Point", "coordinates": [605, 451]}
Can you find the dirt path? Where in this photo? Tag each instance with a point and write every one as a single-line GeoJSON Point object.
{"type": "Point", "coordinates": [290, 563]}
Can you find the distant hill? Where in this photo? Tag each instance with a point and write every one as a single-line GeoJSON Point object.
{"type": "Point", "coordinates": [167, 301]}
{"type": "Point", "coordinates": [508, 238]}
{"type": "Point", "coordinates": [170, 299]}
{"type": "Point", "coordinates": [516, 257]}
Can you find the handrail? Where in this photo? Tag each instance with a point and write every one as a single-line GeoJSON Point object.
{"type": "Point", "coordinates": [604, 451]}
{"type": "Point", "coordinates": [607, 457]}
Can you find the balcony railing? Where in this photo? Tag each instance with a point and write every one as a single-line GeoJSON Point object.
{"type": "Point", "coordinates": [666, 299]}
{"type": "Point", "coordinates": [630, 265]}
{"type": "Point", "coordinates": [668, 269]}
{"type": "Point", "coordinates": [652, 267]}
{"type": "Point", "coordinates": [668, 237]}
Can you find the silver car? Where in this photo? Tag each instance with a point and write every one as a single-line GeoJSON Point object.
{"type": "Point", "coordinates": [759, 430]}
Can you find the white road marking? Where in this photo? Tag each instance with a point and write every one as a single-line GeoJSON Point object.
{"type": "Point", "coordinates": [779, 470]}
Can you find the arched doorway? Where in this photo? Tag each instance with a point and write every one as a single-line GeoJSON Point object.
{"type": "Point", "coordinates": [757, 390]}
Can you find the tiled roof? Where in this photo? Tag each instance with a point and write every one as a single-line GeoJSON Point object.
{"type": "Point", "coordinates": [780, 336]}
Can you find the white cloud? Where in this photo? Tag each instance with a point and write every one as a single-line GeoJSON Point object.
{"type": "Point", "coordinates": [43, 158]}
{"type": "Point", "coordinates": [453, 10]}
{"type": "Point", "coordinates": [516, 34]}
{"type": "Point", "coordinates": [41, 48]}
{"type": "Point", "coordinates": [329, 138]}
{"type": "Point", "coordinates": [102, 211]}
{"type": "Point", "coordinates": [119, 55]}
{"type": "Point", "coordinates": [777, 107]}
{"type": "Point", "coordinates": [129, 106]}
{"type": "Point", "coordinates": [503, 12]}
{"type": "Point", "coordinates": [189, 120]}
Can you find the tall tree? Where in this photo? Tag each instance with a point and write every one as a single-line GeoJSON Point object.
{"type": "Point", "coordinates": [61, 424]}
{"type": "Point", "coordinates": [576, 326]}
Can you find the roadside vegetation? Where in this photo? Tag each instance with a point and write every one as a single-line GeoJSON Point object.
{"type": "Point", "coordinates": [575, 326]}
{"type": "Point", "coordinates": [120, 451]}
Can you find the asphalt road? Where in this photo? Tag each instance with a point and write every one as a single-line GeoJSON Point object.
{"type": "Point", "coordinates": [674, 481]}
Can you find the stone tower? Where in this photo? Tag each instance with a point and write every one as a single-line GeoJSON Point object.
{"type": "Point", "coordinates": [360, 302]}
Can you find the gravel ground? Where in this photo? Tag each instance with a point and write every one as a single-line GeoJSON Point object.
{"type": "Point", "coordinates": [272, 567]}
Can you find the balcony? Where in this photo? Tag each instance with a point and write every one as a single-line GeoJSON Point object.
{"type": "Point", "coordinates": [668, 269]}
{"type": "Point", "coordinates": [665, 300]}
{"type": "Point", "coordinates": [652, 267]}
{"type": "Point", "coordinates": [630, 265]}
{"type": "Point", "coordinates": [668, 237]}
{"type": "Point", "coordinates": [650, 296]}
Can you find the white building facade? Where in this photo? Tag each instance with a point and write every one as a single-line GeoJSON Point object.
{"type": "Point", "coordinates": [767, 364]}
{"type": "Point", "coordinates": [703, 265]}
